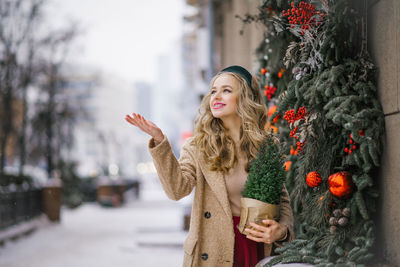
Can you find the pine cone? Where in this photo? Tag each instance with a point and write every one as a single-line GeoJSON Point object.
{"type": "Point", "coordinates": [343, 221]}
{"type": "Point", "coordinates": [337, 213]}
{"type": "Point", "coordinates": [333, 221]}
{"type": "Point", "coordinates": [332, 229]}
{"type": "Point", "coordinates": [346, 212]}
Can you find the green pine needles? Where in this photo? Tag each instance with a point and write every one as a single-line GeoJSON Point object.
{"type": "Point", "coordinates": [266, 175]}
{"type": "Point", "coordinates": [328, 71]}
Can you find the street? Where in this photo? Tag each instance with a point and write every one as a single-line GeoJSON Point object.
{"type": "Point", "coordinates": [144, 232]}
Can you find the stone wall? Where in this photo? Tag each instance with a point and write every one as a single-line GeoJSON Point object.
{"type": "Point", "coordinates": [231, 48]}
{"type": "Point", "coordinates": [384, 46]}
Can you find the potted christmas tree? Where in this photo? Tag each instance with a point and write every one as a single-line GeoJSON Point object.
{"type": "Point", "coordinates": [262, 192]}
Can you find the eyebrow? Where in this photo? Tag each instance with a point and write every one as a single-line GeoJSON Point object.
{"type": "Point", "coordinates": [223, 86]}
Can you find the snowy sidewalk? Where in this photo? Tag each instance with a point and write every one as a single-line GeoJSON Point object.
{"type": "Point", "coordinates": [145, 232]}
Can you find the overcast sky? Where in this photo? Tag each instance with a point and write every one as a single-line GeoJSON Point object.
{"type": "Point", "coordinates": [123, 37]}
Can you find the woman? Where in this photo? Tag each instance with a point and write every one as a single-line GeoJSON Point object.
{"type": "Point", "coordinates": [215, 162]}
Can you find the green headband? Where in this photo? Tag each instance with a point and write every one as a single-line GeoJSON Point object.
{"type": "Point", "coordinates": [242, 72]}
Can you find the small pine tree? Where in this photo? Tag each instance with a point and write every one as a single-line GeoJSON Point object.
{"type": "Point", "coordinates": [266, 175]}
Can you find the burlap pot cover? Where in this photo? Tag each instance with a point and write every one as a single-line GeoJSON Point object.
{"type": "Point", "coordinates": [252, 210]}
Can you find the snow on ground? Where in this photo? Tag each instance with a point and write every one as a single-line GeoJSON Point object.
{"type": "Point", "coordinates": [146, 232]}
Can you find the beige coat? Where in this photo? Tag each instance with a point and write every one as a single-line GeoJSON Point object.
{"type": "Point", "coordinates": [210, 241]}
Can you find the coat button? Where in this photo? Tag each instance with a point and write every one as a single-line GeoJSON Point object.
{"type": "Point", "coordinates": [204, 256]}
{"type": "Point", "coordinates": [207, 215]}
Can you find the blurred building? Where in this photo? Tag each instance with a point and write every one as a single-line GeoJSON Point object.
{"type": "Point", "coordinates": [196, 50]}
{"type": "Point", "coordinates": [143, 99]}
{"type": "Point", "coordinates": [102, 140]}
{"type": "Point", "coordinates": [11, 145]}
{"type": "Point", "coordinates": [215, 30]}
{"type": "Point", "coordinates": [175, 102]}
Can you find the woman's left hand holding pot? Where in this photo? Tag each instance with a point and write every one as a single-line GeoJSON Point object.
{"type": "Point", "coordinates": [268, 233]}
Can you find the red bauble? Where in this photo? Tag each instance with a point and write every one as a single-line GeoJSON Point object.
{"type": "Point", "coordinates": [313, 179]}
{"type": "Point", "coordinates": [340, 184]}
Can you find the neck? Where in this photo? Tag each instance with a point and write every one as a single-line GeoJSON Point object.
{"type": "Point", "coordinates": [233, 126]}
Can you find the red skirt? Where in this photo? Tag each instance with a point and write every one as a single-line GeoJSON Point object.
{"type": "Point", "coordinates": [247, 252]}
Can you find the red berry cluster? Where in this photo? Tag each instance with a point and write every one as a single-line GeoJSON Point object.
{"type": "Point", "coordinates": [351, 147]}
{"type": "Point", "coordinates": [298, 143]}
{"type": "Point", "coordinates": [302, 15]}
{"type": "Point", "coordinates": [352, 144]}
{"type": "Point", "coordinates": [269, 91]}
{"type": "Point", "coordinates": [293, 133]}
{"type": "Point", "coordinates": [300, 146]}
{"type": "Point", "coordinates": [291, 117]}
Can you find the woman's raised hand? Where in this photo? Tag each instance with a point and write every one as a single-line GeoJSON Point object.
{"type": "Point", "coordinates": [146, 126]}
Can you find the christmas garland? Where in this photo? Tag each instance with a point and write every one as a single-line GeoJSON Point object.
{"type": "Point", "coordinates": [319, 78]}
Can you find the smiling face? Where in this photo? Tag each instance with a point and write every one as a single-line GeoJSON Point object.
{"type": "Point", "coordinates": [223, 97]}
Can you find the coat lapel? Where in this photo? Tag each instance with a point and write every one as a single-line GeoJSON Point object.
{"type": "Point", "coordinates": [217, 184]}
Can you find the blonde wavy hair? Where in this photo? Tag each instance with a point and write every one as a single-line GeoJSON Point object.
{"type": "Point", "coordinates": [211, 137]}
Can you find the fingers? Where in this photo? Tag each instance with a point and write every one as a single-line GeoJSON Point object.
{"type": "Point", "coordinates": [260, 233]}
{"type": "Point", "coordinates": [257, 226]}
{"type": "Point", "coordinates": [141, 120]}
{"type": "Point", "coordinates": [130, 120]}
{"type": "Point", "coordinates": [269, 222]}
{"type": "Point", "coordinates": [267, 234]}
{"type": "Point", "coordinates": [254, 233]}
{"type": "Point", "coordinates": [133, 120]}
{"type": "Point", "coordinates": [258, 236]}
{"type": "Point", "coordinates": [146, 126]}
{"type": "Point", "coordinates": [138, 117]}
{"type": "Point", "coordinates": [136, 121]}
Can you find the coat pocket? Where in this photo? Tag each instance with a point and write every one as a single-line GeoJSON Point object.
{"type": "Point", "coordinates": [189, 247]}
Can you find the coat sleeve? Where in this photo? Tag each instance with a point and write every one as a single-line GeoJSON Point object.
{"type": "Point", "coordinates": [178, 177]}
{"type": "Point", "coordinates": [286, 216]}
